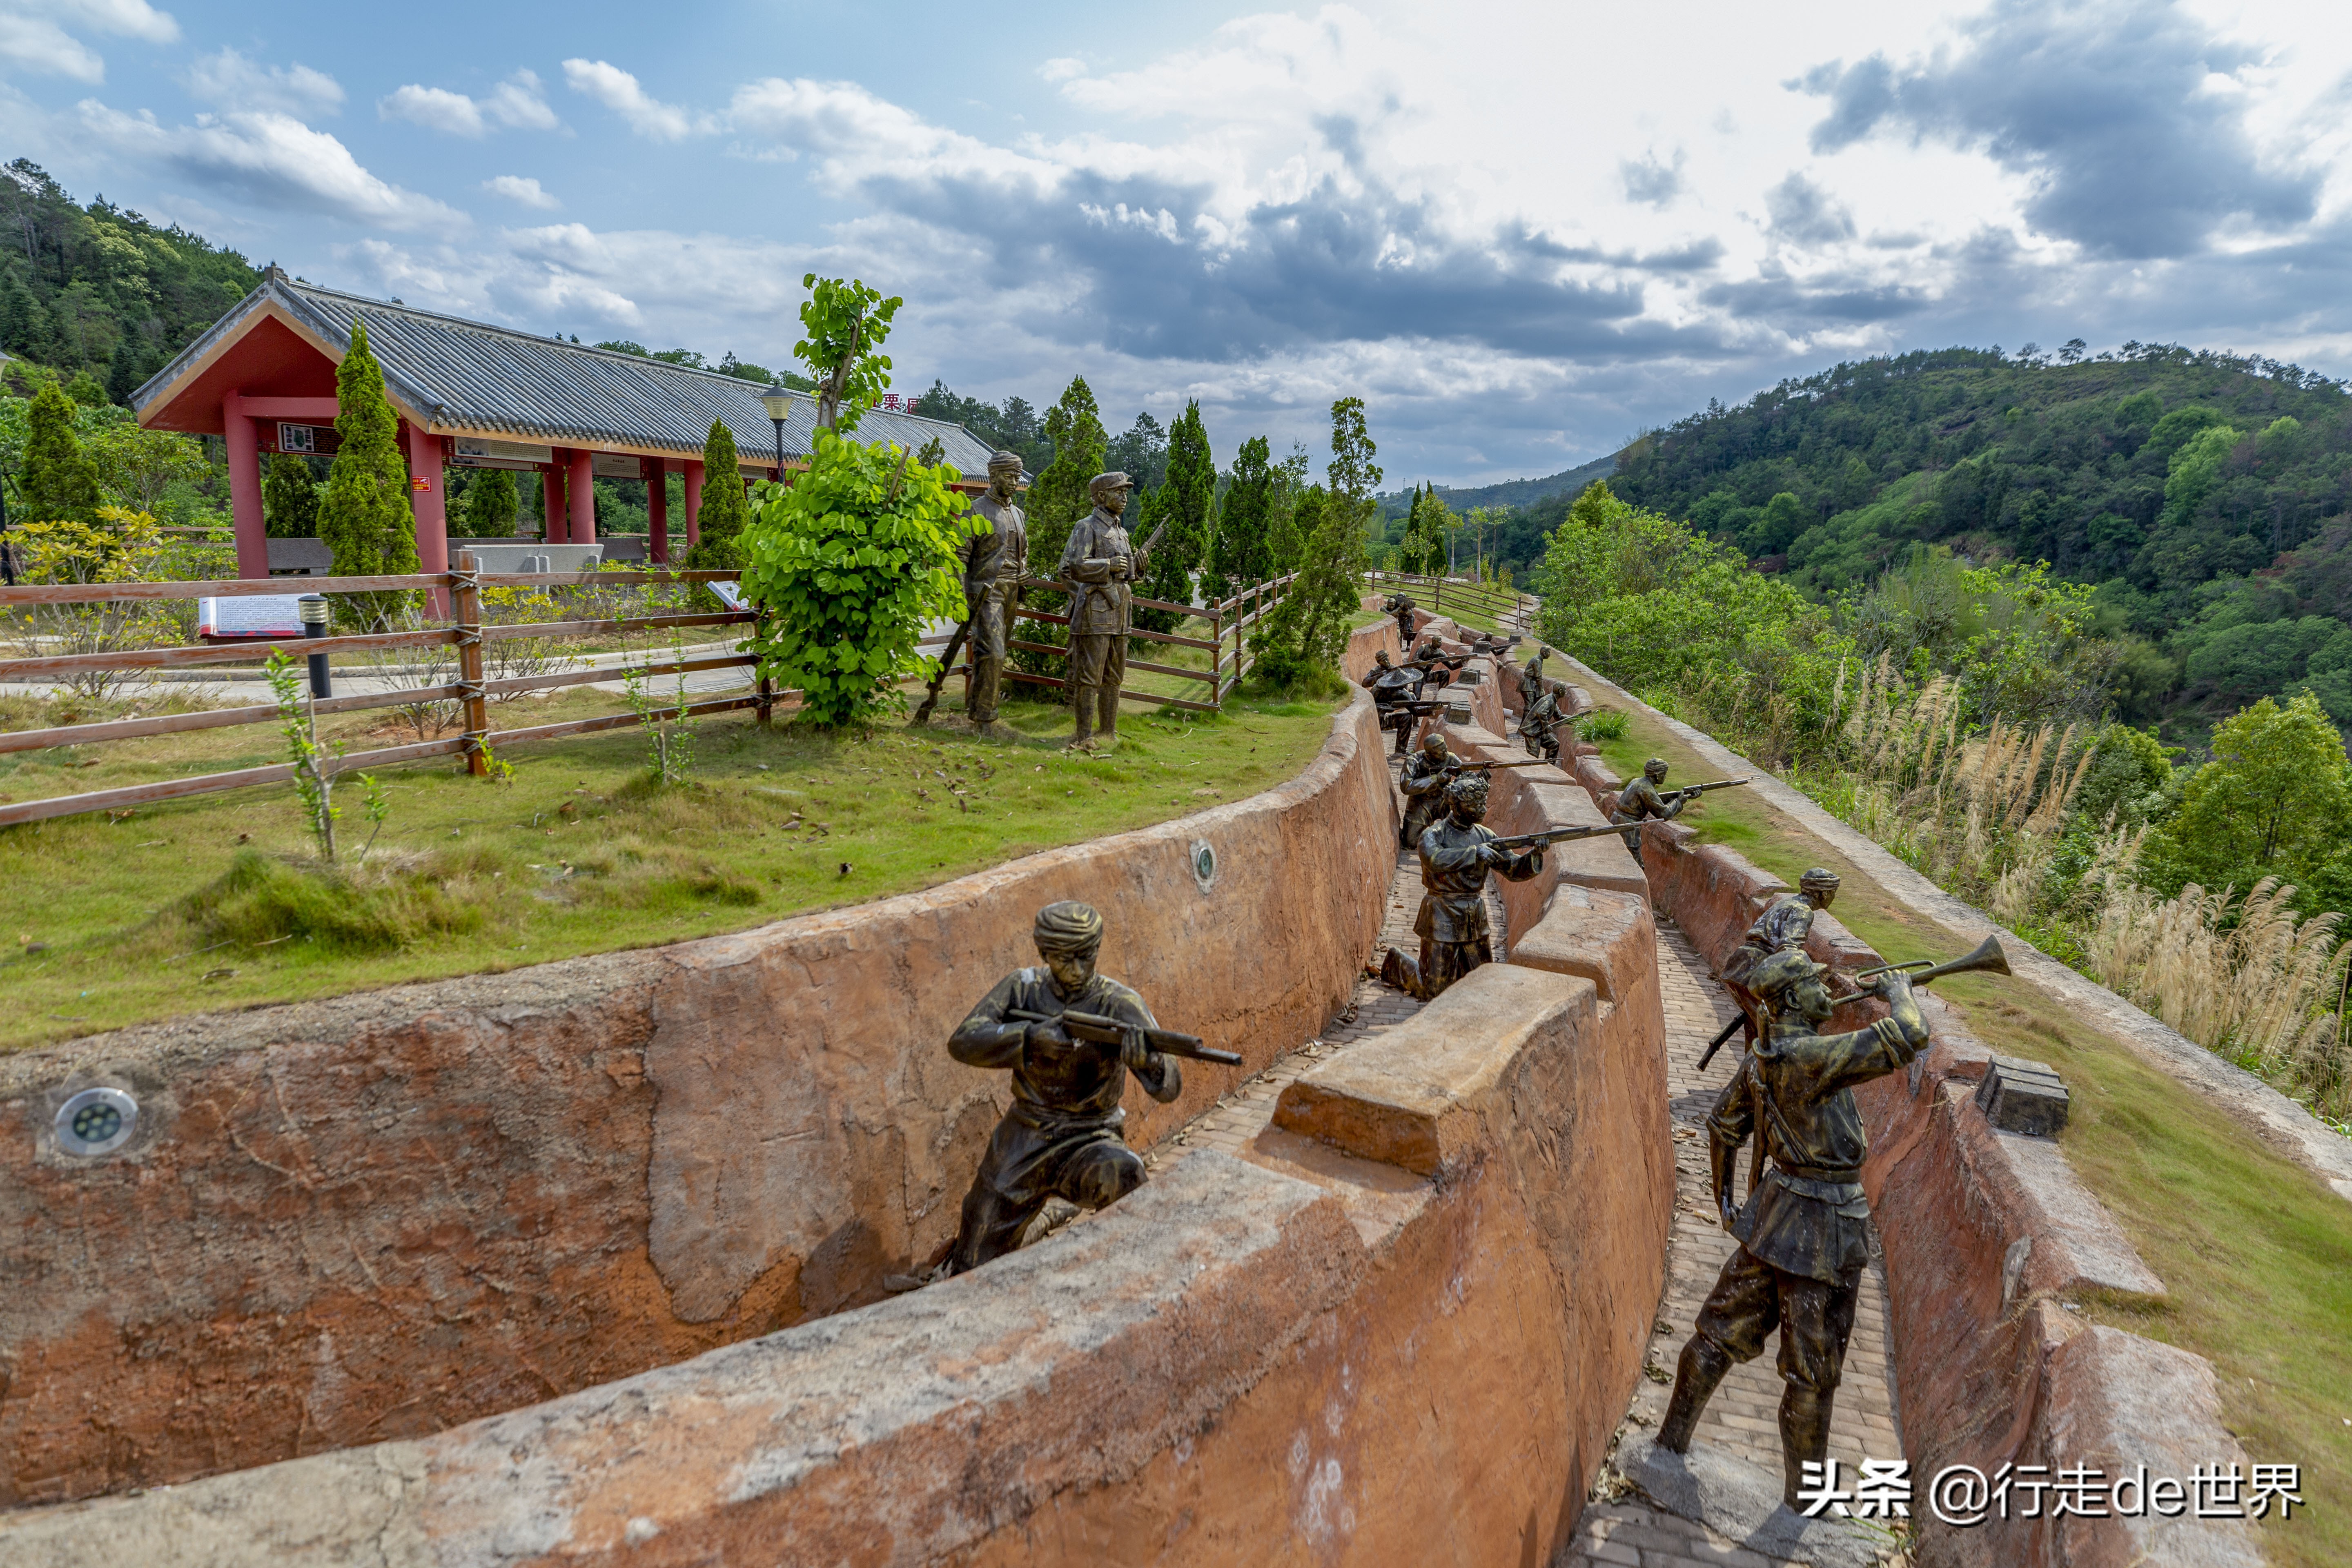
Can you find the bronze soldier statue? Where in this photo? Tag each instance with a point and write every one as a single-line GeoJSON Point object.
{"type": "Point", "coordinates": [1641, 802]}
{"type": "Point", "coordinates": [1782, 928]}
{"type": "Point", "coordinates": [1540, 726]}
{"type": "Point", "coordinates": [1101, 561]}
{"type": "Point", "coordinates": [1437, 666]}
{"type": "Point", "coordinates": [1804, 1231]}
{"type": "Point", "coordinates": [1531, 680]}
{"type": "Point", "coordinates": [1063, 1136]}
{"type": "Point", "coordinates": [1402, 608]}
{"type": "Point", "coordinates": [1426, 774]}
{"type": "Point", "coordinates": [993, 564]}
{"type": "Point", "coordinates": [1455, 856]}
{"type": "Point", "coordinates": [1392, 688]}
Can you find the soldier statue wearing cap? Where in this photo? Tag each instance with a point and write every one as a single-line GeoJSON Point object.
{"type": "Point", "coordinates": [1101, 561]}
{"type": "Point", "coordinates": [993, 564]}
{"type": "Point", "coordinates": [1455, 856]}
{"type": "Point", "coordinates": [1064, 1135]}
{"type": "Point", "coordinates": [1804, 1231]}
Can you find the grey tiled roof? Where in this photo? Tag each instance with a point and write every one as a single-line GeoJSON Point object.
{"type": "Point", "coordinates": [479, 377]}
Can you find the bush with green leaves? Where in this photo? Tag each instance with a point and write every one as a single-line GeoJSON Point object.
{"type": "Point", "coordinates": [363, 515]}
{"type": "Point", "coordinates": [846, 566]}
{"type": "Point", "coordinates": [58, 480]}
{"type": "Point", "coordinates": [844, 321]}
{"type": "Point", "coordinates": [289, 498]}
{"type": "Point", "coordinates": [725, 507]}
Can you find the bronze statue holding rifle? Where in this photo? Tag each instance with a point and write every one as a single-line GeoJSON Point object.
{"type": "Point", "coordinates": [1426, 774]}
{"type": "Point", "coordinates": [1540, 726]}
{"type": "Point", "coordinates": [993, 563]}
{"type": "Point", "coordinates": [1804, 1229]}
{"type": "Point", "coordinates": [1642, 801]}
{"type": "Point", "coordinates": [1784, 927]}
{"type": "Point", "coordinates": [1099, 563]}
{"type": "Point", "coordinates": [1401, 606]}
{"type": "Point", "coordinates": [1070, 1037]}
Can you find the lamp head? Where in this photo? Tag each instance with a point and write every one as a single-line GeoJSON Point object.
{"type": "Point", "coordinates": [778, 401]}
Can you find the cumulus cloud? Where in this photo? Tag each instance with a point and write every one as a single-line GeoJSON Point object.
{"type": "Point", "coordinates": [269, 159]}
{"type": "Point", "coordinates": [1650, 181]}
{"type": "Point", "coordinates": [229, 80]}
{"type": "Point", "coordinates": [1803, 212]}
{"type": "Point", "coordinates": [35, 37]}
{"type": "Point", "coordinates": [617, 91]}
{"type": "Point", "coordinates": [517, 104]}
{"type": "Point", "coordinates": [517, 188]}
{"type": "Point", "coordinates": [2121, 116]}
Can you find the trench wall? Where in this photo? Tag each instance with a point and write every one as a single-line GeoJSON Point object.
{"type": "Point", "coordinates": [1400, 1327]}
{"type": "Point", "coordinates": [1987, 1237]}
{"type": "Point", "coordinates": [389, 1214]}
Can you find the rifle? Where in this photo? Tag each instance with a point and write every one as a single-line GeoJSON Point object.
{"type": "Point", "coordinates": [1555, 836]}
{"type": "Point", "coordinates": [1096, 1029]}
{"type": "Point", "coordinates": [1689, 792]}
{"type": "Point", "coordinates": [1716, 1044]}
{"type": "Point", "coordinates": [1460, 766]}
{"type": "Point", "coordinates": [947, 663]}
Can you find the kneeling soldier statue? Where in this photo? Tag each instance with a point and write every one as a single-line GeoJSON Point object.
{"type": "Point", "coordinates": [1063, 1136]}
{"type": "Point", "coordinates": [1426, 774]}
{"type": "Point", "coordinates": [1804, 1231]}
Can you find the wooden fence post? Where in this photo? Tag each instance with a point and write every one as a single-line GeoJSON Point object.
{"type": "Point", "coordinates": [1217, 660]}
{"type": "Point", "coordinates": [466, 601]}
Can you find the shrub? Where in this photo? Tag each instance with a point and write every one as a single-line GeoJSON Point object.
{"type": "Point", "coordinates": [364, 516]}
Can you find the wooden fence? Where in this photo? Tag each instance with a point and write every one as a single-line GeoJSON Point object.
{"type": "Point", "coordinates": [1432, 593]}
{"type": "Point", "coordinates": [468, 634]}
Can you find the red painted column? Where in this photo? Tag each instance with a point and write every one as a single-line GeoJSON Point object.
{"type": "Point", "coordinates": [245, 489]}
{"type": "Point", "coordinates": [584, 497]}
{"type": "Point", "coordinates": [693, 502]}
{"type": "Point", "coordinates": [550, 500]}
{"type": "Point", "coordinates": [428, 498]}
{"type": "Point", "coordinates": [657, 473]}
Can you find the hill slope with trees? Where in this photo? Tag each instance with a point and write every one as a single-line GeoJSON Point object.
{"type": "Point", "coordinates": [2204, 494]}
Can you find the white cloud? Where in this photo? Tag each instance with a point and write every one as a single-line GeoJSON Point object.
{"type": "Point", "coordinates": [617, 91]}
{"type": "Point", "coordinates": [517, 188]}
{"type": "Point", "coordinates": [33, 33]}
{"type": "Point", "coordinates": [1062, 68]}
{"type": "Point", "coordinates": [516, 103]}
{"type": "Point", "coordinates": [270, 160]}
{"type": "Point", "coordinates": [229, 81]}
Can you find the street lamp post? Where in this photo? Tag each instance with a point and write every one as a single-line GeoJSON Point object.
{"type": "Point", "coordinates": [778, 401]}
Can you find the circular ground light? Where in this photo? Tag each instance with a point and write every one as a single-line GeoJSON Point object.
{"type": "Point", "coordinates": [96, 1122]}
{"type": "Point", "coordinates": [1204, 863]}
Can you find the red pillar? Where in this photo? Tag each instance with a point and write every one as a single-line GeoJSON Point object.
{"type": "Point", "coordinates": [693, 502]}
{"type": "Point", "coordinates": [428, 497]}
{"type": "Point", "coordinates": [657, 473]}
{"type": "Point", "coordinates": [550, 500]}
{"type": "Point", "coordinates": [245, 489]}
{"type": "Point", "coordinates": [584, 497]}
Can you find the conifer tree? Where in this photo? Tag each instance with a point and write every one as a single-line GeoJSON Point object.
{"type": "Point", "coordinates": [1188, 495]}
{"type": "Point", "coordinates": [1058, 498]}
{"type": "Point", "coordinates": [122, 377]}
{"type": "Point", "coordinates": [58, 480]}
{"type": "Point", "coordinates": [1244, 548]}
{"type": "Point", "coordinates": [724, 509]}
{"type": "Point", "coordinates": [289, 498]}
{"type": "Point", "coordinates": [363, 515]}
{"type": "Point", "coordinates": [491, 504]}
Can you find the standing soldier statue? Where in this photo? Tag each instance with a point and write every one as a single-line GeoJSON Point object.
{"type": "Point", "coordinates": [1539, 727]}
{"type": "Point", "coordinates": [1426, 774]}
{"type": "Point", "coordinates": [1100, 562]}
{"type": "Point", "coordinates": [1402, 608]}
{"type": "Point", "coordinates": [1782, 928]}
{"type": "Point", "coordinates": [993, 564]}
{"type": "Point", "coordinates": [1804, 1231]}
{"type": "Point", "coordinates": [1063, 1136]}
{"type": "Point", "coordinates": [1455, 856]}
{"type": "Point", "coordinates": [1532, 680]}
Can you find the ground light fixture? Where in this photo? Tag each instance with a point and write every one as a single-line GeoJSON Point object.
{"type": "Point", "coordinates": [778, 401]}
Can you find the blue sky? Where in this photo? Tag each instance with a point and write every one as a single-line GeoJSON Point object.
{"type": "Point", "coordinates": [1521, 232]}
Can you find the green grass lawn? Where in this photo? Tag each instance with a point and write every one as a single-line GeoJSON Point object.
{"type": "Point", "coordinates": [214, 902]}
{"type": "Point", "coordinates": [2255, 1252]}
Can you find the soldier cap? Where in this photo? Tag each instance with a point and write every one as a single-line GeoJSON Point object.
{"type": "Point", "coordinates": [1775, 974]}
{"type": "Point", "coordinates": [1005, 461]}
{"type": "Point", "coordinates": [1820, 878]}
{"type": "Point", "coordinates": [1069, 927]}
{"type": "Point", "coordinates": [1114, 480]}
{"type": "Point", "coordinates": [1432, 741]}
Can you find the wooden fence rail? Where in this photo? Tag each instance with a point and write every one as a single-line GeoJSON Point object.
{"type": "Point", "coordinates": [1482, 596]}
{"type": "Point", "coordinates": [460, 590]}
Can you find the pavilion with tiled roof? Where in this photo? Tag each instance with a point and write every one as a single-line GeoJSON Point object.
{"type": "Point", "coordinates": [473, 394]}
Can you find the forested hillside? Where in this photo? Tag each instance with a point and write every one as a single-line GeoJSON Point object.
{"type": "Point", "coordinates": [2204, 494]}
{"type": "Point", "coordinates": [98, 290]}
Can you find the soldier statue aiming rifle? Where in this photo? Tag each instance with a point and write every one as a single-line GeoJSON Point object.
{"type": "Point", "coordinates": [1539, 725]}
{"type": "Point", "coordinates": [1071, 1036]}
{"type": "Point", "coordinates": [1390, 685]}
{"type": "Point", "coordinates": [1427, 772]}
{"type": "Point", "coordinates": [1804, 1231]}
{"type": "Point", "coordinates": [1642, 801]}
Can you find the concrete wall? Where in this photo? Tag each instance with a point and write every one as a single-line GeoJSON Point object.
{"type": "Point", "coordinates": [386, 1215]}
{"type": "Point", "coordinates": [1987, 1237]}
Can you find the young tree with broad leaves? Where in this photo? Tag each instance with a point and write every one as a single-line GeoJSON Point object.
{"type": "Point", "coordinates": [844, 323]}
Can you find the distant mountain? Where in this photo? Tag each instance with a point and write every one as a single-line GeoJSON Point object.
{"type": "Point", "coordinates": [1511, 492]}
